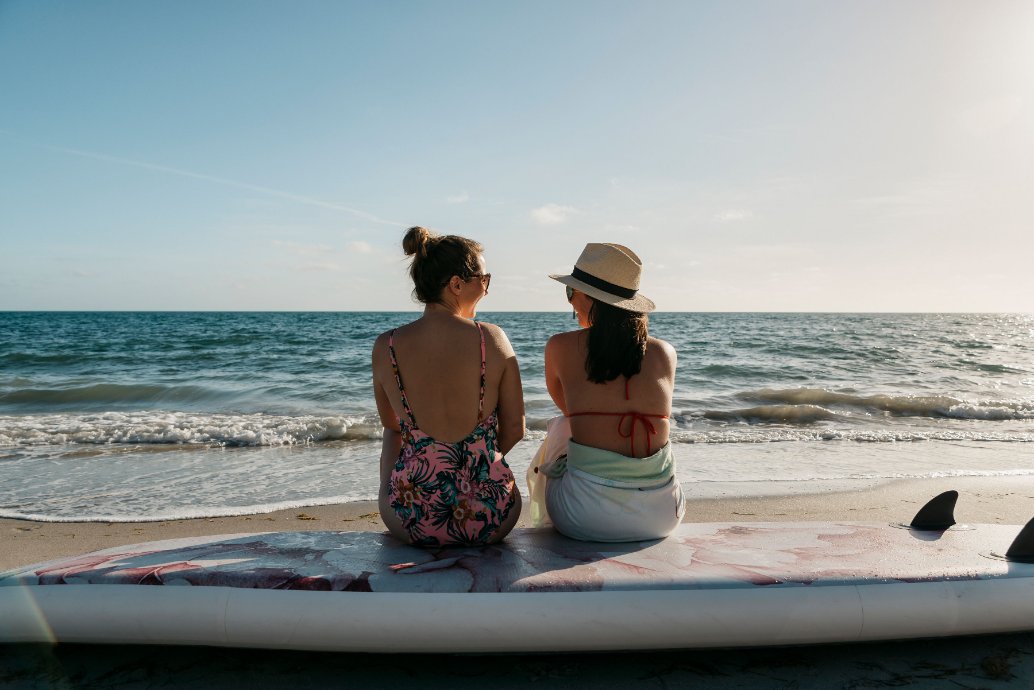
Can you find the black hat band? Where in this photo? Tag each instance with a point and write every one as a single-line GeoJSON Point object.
{"type": "Point", "coordinates": [601, 284]}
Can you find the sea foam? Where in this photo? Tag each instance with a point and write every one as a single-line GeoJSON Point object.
{"type": "Point", "coordinates": [183, 428]}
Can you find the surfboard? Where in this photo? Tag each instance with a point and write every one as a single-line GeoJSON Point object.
{"type": "Point", "coordinates": [706, 585]}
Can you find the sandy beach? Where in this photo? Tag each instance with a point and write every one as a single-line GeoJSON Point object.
{"type": "Point", "coordinates": [989, 661]}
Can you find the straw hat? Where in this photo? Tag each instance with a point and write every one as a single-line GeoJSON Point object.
{"type": "Point", "coordinates": [609, 273]}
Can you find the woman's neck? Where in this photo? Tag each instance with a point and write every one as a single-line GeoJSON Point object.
{"type": "Point", "coordinates": [437, 310]}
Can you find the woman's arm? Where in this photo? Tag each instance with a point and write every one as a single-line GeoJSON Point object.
{"type": "Point", "coordinates": [553, 384]}
{"type": "Point", "coordinates": [511, 397]}
{"type": "Point", "coordinates": [391, 441]}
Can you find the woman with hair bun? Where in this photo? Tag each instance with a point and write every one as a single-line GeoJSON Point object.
{"type": "Point", "coordinates": [445, 481]}
{"type": "Point", "coordinates": [606, 471]}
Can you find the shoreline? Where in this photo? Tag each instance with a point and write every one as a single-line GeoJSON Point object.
{"type": "Point", "coordinates": [1002, 500]}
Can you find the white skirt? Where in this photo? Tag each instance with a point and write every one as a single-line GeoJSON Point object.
{"type": "Point", "coordinates": [590, 508]}
{"type": "Point", "coordinates": [582, 507]}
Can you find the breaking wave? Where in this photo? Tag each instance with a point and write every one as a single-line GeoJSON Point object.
{"type": "Point", "coordinates": [183, 428]}
{"type": "Point", "coordinates": [898, 405]}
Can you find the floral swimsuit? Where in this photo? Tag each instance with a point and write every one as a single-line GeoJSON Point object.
{"type": "Point", "coordinates": [450, 493]}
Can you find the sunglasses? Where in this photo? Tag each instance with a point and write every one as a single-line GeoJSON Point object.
{"type": "Point", "coordinates": [570, 293]}
{"type": "Point", "coordinates": [486, 278]}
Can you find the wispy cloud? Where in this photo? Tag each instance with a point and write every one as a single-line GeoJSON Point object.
{"type": "Point", "coordinates": [297, 198]}
{"type": "Point", "coordinates": [733, 215]}
{"type": "Point", "coordinates": [552, 214]}
{"type": "Point", "coordinates": [360, 247]}
{"type": "Point", "coordinates": [460, 198]}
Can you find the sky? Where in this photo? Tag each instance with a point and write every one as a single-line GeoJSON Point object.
{"type": "Point", "coordinates": [758, 156]}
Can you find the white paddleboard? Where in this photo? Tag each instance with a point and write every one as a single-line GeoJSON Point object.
{"type": "Point", "coordinates": [707, 585]}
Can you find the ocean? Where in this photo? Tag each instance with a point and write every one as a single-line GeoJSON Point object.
{"type": "Point", "coordinates": [121, 416]}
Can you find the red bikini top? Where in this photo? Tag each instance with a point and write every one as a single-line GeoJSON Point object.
{"type": "Point", "coordinates": [636, 417]}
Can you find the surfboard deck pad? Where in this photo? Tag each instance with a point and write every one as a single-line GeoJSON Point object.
{"type": "Point", "coordinates": [729, 575]}
{"type": "Point", "coordinates": [708, 555]}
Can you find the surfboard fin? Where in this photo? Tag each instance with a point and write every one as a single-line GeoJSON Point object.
{"type": "Point", "coordinates": [938, 513]}
{"type": "Point", "coordinates": [1022, 549]}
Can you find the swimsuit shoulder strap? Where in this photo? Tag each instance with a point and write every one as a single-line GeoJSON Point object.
{"type": "Point", "coordinates": [481, 395]}
{"type": "Point", "coordinates": [398, 377]}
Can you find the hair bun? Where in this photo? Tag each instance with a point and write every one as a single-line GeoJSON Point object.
{"type": "Point", "coordinates": [416, 241]}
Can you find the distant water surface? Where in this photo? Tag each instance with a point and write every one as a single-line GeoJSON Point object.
{"type": "Point", "coordinates": [160, 415]}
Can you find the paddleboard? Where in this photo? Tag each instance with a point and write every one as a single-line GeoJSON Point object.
{"type": "Point", "coordinates": [706, 585]}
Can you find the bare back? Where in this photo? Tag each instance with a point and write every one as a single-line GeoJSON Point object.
{"type": "Point", "coordinates": [649, 393]}
{"type": "Point", "coordinates": [439, 361]}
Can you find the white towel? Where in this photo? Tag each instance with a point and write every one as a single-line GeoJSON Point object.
{"type": "Point", "coordinates": [583, 506]}
{"type": "Point", "coordinates": [558, 433]}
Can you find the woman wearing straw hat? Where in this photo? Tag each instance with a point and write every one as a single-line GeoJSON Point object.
{"type": "Point", "coordinates": [606, 471]}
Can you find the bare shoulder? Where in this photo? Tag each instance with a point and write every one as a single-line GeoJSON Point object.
{"type": "Point", "coordinates": [496, 337]}
{"type": "Point", "coordinates": [562, 347]}
{"type": "Point", "coordinates": [380, 346]}
{"type": "Point", "coordinates": [565, 339]}
{"type": "Point", "coordinates": [382, 340]}
{"type": "Point", "coordinates": [663, 348]}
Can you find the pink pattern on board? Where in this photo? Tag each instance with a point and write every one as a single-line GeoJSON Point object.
{"type": "Point", "coordinates": [700, 556]}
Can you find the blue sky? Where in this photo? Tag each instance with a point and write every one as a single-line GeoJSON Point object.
{"type": "Point", "coordinates": [789, 156]}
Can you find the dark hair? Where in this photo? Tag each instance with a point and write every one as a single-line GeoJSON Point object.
{"type": "Point", "coordinates": [617, 342]}
{"type": "Point", "coordinates": [436, 259]}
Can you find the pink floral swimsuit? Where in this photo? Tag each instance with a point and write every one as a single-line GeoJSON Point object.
{"type": "Point", "coordinates": [450, 493]}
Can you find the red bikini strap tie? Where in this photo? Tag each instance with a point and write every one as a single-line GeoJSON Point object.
{"type": "Point", "coordinates": [647, 424]}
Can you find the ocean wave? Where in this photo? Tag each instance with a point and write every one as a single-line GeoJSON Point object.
{"type": "Point", "coordinates": [35, 358]}
{"type": "Point", "coordinates": [184, 513]}
{"type": "Point", "coordinates": [789, 414]}
{"type": "Point", "coordinates": [234, 430]}
{"type": "Point", "coordinates": [785, 435]}
{"type": "Point", "coordinates": [723, 371]}
{"type": "Point", "coordinates": [942, 406]}
{"type": "Point", "coordinates": [992, 368]}
{"type": "Point", "coordinates": [179, 428]}
{"type": "Point", "coordinates": [107, 394]}
{"type": "Point", "coordinates": [805, 434]}
{"type": "Point", "coordinates": [862, 476]}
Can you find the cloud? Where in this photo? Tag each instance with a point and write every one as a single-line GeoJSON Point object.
{"type": "Point", "coordinates": [552, 214]}
{"type": "Point", "coordinates": [460, 198]}
{"type": "Point", "coordinates": [360, 247]}
{"type": "Point", "coordinates": [297, 198]}
{"type": "Point", "coordinates": [734, 215]}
